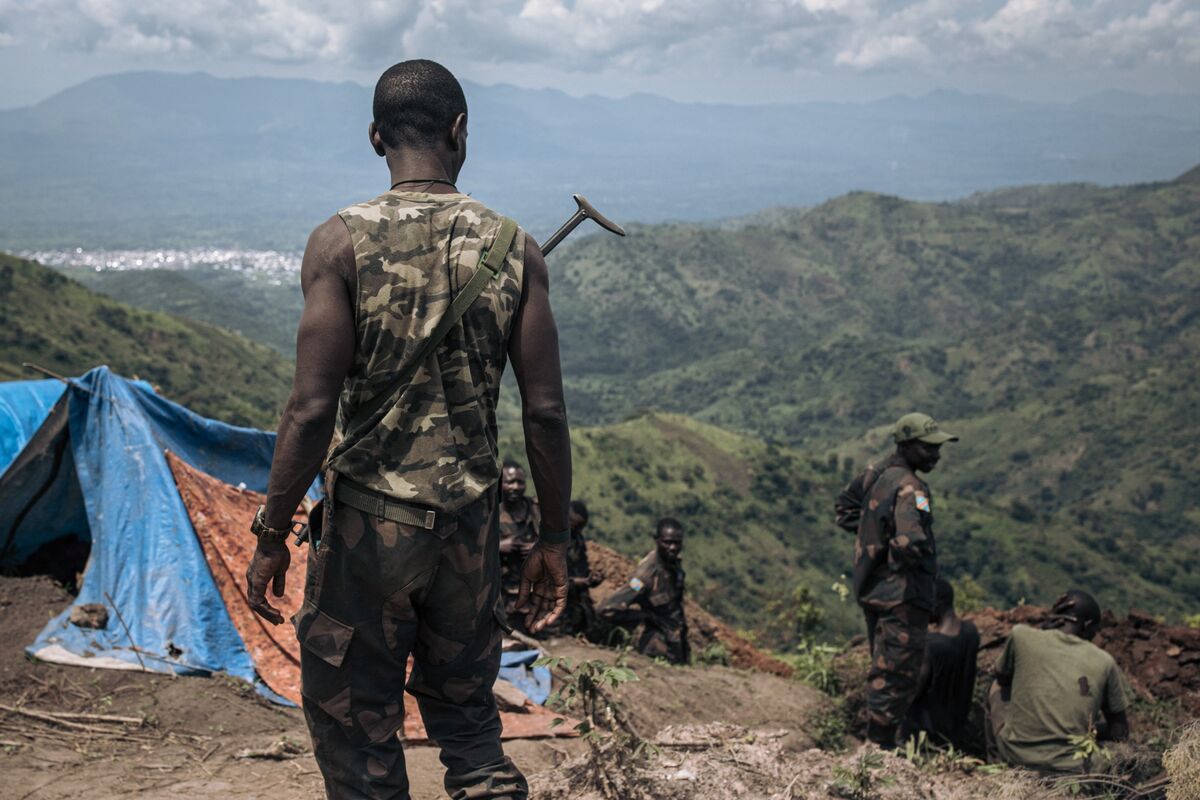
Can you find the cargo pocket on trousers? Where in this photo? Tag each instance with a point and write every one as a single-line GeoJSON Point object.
{"type": "Point", "coordinates": [323, 680]}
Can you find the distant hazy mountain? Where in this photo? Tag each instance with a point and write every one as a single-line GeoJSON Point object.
{"type": "Point", "coordinates": [164, 159]}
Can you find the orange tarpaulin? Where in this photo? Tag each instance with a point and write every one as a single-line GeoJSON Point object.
{"type": "Point", "coordinates": [221, 516]}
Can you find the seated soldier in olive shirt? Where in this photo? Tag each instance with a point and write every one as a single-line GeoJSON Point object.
{"type": "Point", "coordinates": [947, 681]}
{"type": "Point", "coordinates": [1053, 685]}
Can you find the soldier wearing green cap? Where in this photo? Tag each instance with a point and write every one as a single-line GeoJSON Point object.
{"type": "Point", "coordinates": [895, 566]}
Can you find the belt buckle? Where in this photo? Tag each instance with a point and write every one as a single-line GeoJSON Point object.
{"type": "Point", "coordinates": [430, 519]}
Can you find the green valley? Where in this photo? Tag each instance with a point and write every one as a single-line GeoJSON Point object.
{"type": "Point", "coordinates": [52, 321]}
{"type": "Point", "coordinates": [736, 375]}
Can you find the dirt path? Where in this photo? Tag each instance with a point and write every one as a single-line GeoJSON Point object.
{"type": "Point", "coordinates": [195, 727]}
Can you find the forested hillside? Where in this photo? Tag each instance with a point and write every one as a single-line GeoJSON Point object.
{"type": "Point", "coordinates": [54, 322]}
{"type": "Point", "coordinates": [1056, 329]}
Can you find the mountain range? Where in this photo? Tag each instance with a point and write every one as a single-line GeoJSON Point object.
{"type": "Point", "coordinates": [166, 159]}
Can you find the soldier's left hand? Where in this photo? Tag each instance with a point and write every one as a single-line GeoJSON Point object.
{"type": "Point", "coordinates": [543, 594]}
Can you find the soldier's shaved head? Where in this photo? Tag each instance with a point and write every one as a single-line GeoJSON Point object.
{"type": "Point", "coordinates": [416, 103]}
{"type": "Point", "coordinates": [944, 602]}
{"type": "Point", "coordinates": [667, 524]}
{"type": "Point", "coordinates": [1077, 613]}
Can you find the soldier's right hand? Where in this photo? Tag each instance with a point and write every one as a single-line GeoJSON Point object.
{"type": "Point", "coordinates": [543, 594]}
{"type": "Point", "coordinates": [269, 565]}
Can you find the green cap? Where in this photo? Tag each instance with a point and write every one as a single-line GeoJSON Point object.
{"type": "Point", "coordinates": [922, 427]}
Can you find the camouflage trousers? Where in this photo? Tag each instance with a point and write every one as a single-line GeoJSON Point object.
{"type": "Point", "coordinates": [376, 592]}
{"type": "Point", "coordinates": [897, 637]}
{"type": "Point", "coordinates": [668, 644]}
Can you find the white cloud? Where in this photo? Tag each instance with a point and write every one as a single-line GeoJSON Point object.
{"type": "Point", "coordinates": [881, 50]}
{"type": "Point", "coordinates": [645, 36]}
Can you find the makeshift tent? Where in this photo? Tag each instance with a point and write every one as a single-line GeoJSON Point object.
{"type": "Point", "coordinates": [160, 499]}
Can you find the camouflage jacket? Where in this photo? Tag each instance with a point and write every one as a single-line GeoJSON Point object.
{"type": "Point", "coordinates": [847, 508]}
{"type": "Point", "coordinates": [653, 597]}
{"type": "Point", "coordinates": [414, 252]}
{"type": "Point", "coordinates": [895, 557]}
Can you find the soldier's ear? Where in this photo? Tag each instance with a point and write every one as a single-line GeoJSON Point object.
{"type": "Point", "coordinates": [458, 132]}
{"type": "Point", "coordinates": [376, 139]}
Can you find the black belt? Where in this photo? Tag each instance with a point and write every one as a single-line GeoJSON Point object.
{"type": "Point", "coordinates": [378, 504]}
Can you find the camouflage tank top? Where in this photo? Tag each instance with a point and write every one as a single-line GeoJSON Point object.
{"type": "Point", "coordinates": [414, 251]}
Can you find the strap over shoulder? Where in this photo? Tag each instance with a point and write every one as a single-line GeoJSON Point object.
{"type": "Point", "coordinates": [491, 264]}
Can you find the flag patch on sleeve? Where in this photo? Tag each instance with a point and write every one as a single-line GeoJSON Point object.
{"type": "Point", "coordinates": [922, 503]}
{"type": "Point", "coordinates": [636, 584]}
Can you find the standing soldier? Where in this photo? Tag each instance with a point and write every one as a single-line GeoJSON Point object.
{"type": "Point", "coordinates": [895, 566]}
{"type": "Point", "coordinates": [405, 384]}
{"type": "Point", "coordinates": [520, 523]}
{"type": "Point", "coordinates": [654, 598]}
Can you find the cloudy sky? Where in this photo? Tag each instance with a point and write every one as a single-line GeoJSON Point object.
{"type": "Point", "coordinates": [732, 50]}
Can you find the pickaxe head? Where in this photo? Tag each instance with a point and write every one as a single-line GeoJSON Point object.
{"type": "Point", "coordinates": [589, 212]}
{"type": "Point", "coordinates": [585, 211]}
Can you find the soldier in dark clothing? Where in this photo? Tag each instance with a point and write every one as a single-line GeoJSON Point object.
{"type": "Point", "coordinates": [580, 616]}
{"type": "Point", "coordinates": [947, 682]}
{"type": "Point", "coordinates": [654, 598]}
{"type": "Point", "coordinates": [895, 565]}
{"type": "Point", "coordinates": [520, 523]}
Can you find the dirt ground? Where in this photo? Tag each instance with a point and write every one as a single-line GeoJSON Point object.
{"type": "Point", "coordinates": [717, 761]}
{"type": "Point", "coordinates": [194, 728]}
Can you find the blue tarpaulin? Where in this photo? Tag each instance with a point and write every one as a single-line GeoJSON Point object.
{"type": "Point", "coordinates": [516, 667]}
{"type": "Point", "coordinates": [24, 406]}
{"type": "Point", "coordinates": [145, 560]}
{"type": "Point", "coordinates": [87, 464]}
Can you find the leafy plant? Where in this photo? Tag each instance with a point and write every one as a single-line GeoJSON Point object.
{"type": "Point", "coordinates": [813, 664]}
{"type": "Point", "coordinates": [1086, 747]}
{"type": "Point", "coordinates": [830, 727]}
{"type": "Point", "coordinates": [614, 745]}
{"type": "Point", "coordinates": [715, 653]}
{"type": "Point", "coordinates": [859, 781]}
{"type": "Point", "coordinates": [923, 754]}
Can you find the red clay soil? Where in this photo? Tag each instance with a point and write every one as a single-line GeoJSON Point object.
{"type": "Point", "coordinates": [221, 515]}
{"type": "Point", "coordinates": [1162, 662]}
{"type": "Point", "coordinates": [703, 628]}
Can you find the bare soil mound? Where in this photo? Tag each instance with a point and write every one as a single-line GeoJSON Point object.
{"type": "Point", "coordinates": [717, 761]}
{"type": "Point", "coordinates": [667, 695]}
{"type": "Point", "coordinates": [704, 630]}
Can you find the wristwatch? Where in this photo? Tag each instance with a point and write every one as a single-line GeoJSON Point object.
{"type": "Point", "coordinates": [260, 528]}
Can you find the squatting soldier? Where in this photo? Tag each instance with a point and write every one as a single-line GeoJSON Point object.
{"type": "Point", "coordinates": [947, 683]}
{"type": "Point", "coordinates": [895, 566]}
{"type": "Point", "coordinates": [520, 523]}
{"type": "Point", "coordinates": [408, 560]}
{"type": "Point", "coordinates": [654, 598]}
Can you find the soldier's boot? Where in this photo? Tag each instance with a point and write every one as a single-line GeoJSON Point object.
{"type": "Point", "coordinates": [882, 735]}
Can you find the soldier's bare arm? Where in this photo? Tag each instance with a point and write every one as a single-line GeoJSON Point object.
{"type": "Point", "coordinates": [533, 350]}
{"type": "Point", "coordinates": [324, 351]}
